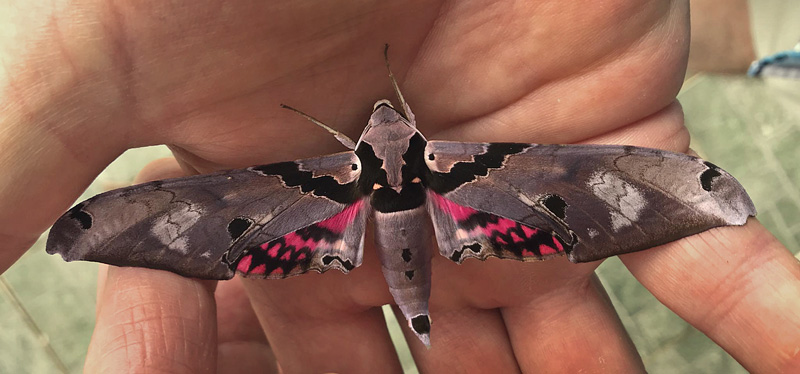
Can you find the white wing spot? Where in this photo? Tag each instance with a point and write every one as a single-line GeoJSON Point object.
{"type": "Point", "coordinates": [618, 221]}
{"type": "Point", "coordinates": [592, 232]}
{"type": "Point", "coordinates": [169, 228]}
{"type": "Point", "coordinates": [180, 244]}
{"type": "Point", "coordinates": [625, 201]}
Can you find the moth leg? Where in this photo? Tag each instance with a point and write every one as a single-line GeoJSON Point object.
{"type": "Point", "coordinates": [406, 109]}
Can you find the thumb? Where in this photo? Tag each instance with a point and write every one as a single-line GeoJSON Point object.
{"type": "Point", "coordinates": [152, 320]}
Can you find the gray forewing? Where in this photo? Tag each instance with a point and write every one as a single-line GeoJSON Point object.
{"type": "Point", "coordinates": [195, 226]}
{"type": "Point", "coordinates": [615, 199]}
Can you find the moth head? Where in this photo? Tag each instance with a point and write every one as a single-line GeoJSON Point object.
{"type": "Point", "coordinates": [381, 102]}
{"type": "Point", "coordinates": [384, 113]}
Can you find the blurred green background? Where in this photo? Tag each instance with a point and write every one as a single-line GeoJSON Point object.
{"type": "Point", "coordinates": [750, 127]}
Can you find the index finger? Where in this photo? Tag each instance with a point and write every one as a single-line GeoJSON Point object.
{"type": "Point", "coordinates": [153, 320]}
{"type": "Point", "coordinates": [738, 285]}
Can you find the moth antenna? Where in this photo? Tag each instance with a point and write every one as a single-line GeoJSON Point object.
{"type": "Point", "coordinates": [406, 109]}
{"type": "Point", "coordinates": [342, 138]}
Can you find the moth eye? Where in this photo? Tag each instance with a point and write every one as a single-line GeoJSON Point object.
{"type": "Point", "coordinates": [354, 166]}
{"type": "Point", "coordinates": [431, 157]}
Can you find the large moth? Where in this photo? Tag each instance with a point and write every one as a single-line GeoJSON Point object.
{"type": "Point", "coordinates": [517, 201]}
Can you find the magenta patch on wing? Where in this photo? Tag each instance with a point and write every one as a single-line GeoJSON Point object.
{"type": "Point", "coordinates": [293, 252]}
{"type": "Point", "coordinates": [502, 233]}
{"type": "Point", "coordinates": [244, 264]}
{"type": "Point", "coordinates": [339, 222]}
{"type": "Point", "coordinates": [458, 212]}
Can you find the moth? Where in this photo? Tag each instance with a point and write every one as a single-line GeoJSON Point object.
{"type": "Point", "coordinates": [525, 202]}
{"type": "Point", "coordinates": [784, 64]}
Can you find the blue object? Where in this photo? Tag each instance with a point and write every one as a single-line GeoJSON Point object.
{"type": "Point", "coordinates": [782, 64]}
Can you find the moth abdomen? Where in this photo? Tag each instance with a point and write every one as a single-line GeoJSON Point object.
{"type": "Point", "coordinates": [402, 239]}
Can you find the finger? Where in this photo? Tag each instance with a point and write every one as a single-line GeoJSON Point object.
{"type": "Point", "coordinates": [559, 101]}
{"type": "Point", "coordinates": [102, 277]}
{"type": "Point", "coordinates": [26, 187]}
{"type": "Point", "coordinates": [738, 285]}
{"type": "Point", "coordinates": [324, 323]}
{"type": "Point", "coordinates": [554, 315]}
{"type": "Point", "coordinates": [55, 131]}
{"type": "Point", "coordinates": [151, 320]}
{"type": "Point", "coordinates": [143, 313]}
{"type": "Point", "coordinates": [663, 130]}
{"type": "Point", "coordinates": [464, 339]}
{"type": "Point", "coordinates": [162, 168]}
{"type": "Point", "coordinates": [242, 345]}
{"type": "Point", "coordinates": [572, 329]}
{"type": "Point", "coordinates": [467, 330]}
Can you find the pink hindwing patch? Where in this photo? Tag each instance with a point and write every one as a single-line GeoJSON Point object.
{"type": "Point", "coordinates": [466, 232]}
{"type": "Point", "coordinates": [295, 252]}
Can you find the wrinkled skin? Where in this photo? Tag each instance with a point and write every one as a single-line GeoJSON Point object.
{"type": "Point", "coordinates": [82, 82]}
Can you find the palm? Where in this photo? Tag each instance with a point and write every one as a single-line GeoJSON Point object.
{"type": "Point", "coordinates": [211, 81]}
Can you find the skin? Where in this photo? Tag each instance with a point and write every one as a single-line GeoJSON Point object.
{"type": "Point", "coordinates": [723, 32]}
{"type": "Point", "coordinates": [82, 81]}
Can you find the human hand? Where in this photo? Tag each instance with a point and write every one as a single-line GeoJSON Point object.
{"type": "Point", "coordinates": [207, 81]}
